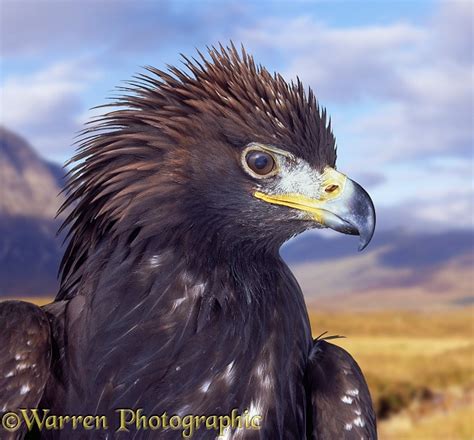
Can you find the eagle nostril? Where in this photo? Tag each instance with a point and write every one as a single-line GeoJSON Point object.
{"type": "Point", "coordinates": [331, 188]}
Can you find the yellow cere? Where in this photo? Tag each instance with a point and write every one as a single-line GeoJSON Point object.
{"type": "Point", "coordinates": [332, 187]}
{"type": "Point", "coordinates": [332, 178]}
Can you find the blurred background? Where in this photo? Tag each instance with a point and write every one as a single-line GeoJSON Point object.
{"type": "Point", "coordinates": [396, 78]}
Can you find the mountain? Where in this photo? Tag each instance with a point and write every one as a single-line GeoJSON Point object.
{"type": "Point", "coordinates": [29, 198]}
{"type": "Point", "coordinates": [399, 269]}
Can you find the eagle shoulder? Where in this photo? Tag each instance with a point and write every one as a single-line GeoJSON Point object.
{"type": "Point", "coordinates": [340, 402]}
{"type": "Point", "coordinates": [25, 357]}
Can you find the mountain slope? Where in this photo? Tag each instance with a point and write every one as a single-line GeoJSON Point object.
{"type": "Point", "coordinates": [29, 249]}
{"type": "Point", "coordinates": [397, 270]}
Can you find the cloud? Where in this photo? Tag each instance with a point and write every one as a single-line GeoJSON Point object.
{"type": "Point", "coordinates": [34, 27]}
{"type": "Point", "coordinates": [418, 78]}
{"type": "Point", "coordinates": [117, 27]}
{"type": "Point", "coordinates": [342, 64]}
{"type": "Point", "coordinates": [369, 180]}
{"type": "Point", "coordinates": [432, 194]}
{"type": "Point", "coordinates": [453, 22]}
{"type": "Point", "coordinates": [443, 211]}
{"type": "Point", "coordinates": [46, 105]}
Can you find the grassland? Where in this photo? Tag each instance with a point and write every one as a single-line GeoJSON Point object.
{"type": "Point", "coordinates": [419, 366]}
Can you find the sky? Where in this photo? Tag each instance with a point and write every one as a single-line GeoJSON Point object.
{"type": "Point", "coordinates": [395, 76]}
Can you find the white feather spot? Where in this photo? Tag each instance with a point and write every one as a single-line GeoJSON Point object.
{"type": "Point", "coordinates": [347, 399]}
{"type": "Point", "coordinates": [348, 426]}
{"type": "Point", "coordinates": [354, 392]}
{"type": "Point", "coordinates": [359, 422]}
{"type": "Point", "coordinates": [256, 408]}
{"type": "Point", "coordinates": [22, 366]}
{"type": "Point", "coordinates": [358, 412]}
{"type": "Point", "coordinates": [18, 357]}
{"type": "Point", "coordinates": [229, 373]}
{"type": "Point", "coordinates": [24, 389]}
{"type": "Point", "coordinates": [205, 386]}
{"type": "Point", "coordinates": [267, 381]}
{"type": "Point", "coordinates": [183, 411]}
{"type": "Point", "coordinates": [156, 261]}
{"type": "Point", "coordinates": [177, 303]}
{"type": "Point", "coordinates": [10, 374]}
{"type": "Point", "coordinates": [265, 378]}
{"type": "Point", "coordinates": [193, 290]}
{"type": "Point", "coordinates": [198, 289]}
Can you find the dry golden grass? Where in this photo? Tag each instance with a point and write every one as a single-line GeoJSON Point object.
{"type": "Point", "coordinates": [38, 300]}
{"type": "Point", "coordinates": [447, 323]}
{"type": "Point", "coordinates": [419, 366]}
{"type": "Point", "coordinates": [456, 424]}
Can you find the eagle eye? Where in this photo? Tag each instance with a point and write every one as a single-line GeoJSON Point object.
{"type": "Point", "coordinates": [260, 162]}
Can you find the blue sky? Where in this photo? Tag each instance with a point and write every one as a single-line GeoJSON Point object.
{"type": "Point", "coordinates": [395, 76]}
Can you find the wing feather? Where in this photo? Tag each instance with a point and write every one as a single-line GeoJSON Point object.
{"type": "Point", "coordinates": [340, 402]}
{"type": "Point", "coordinates": [25, 357]}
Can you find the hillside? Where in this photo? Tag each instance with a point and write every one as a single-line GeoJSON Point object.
{"type": "Point", "coordinates": [29, 249]}
{"type": "Point", "coordinates": [29, 185]}
{"type": "Point", "coordinates": [398, 270]}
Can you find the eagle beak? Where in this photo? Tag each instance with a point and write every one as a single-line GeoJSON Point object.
{"type": "Point", "coordinates": [341, 204]}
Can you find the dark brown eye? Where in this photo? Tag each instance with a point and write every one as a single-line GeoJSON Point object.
{"type": "Point", "coordinates": [260, 162]}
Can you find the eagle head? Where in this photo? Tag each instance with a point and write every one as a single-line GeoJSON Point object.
{"type": "Point", "coordinates": [221, 154]}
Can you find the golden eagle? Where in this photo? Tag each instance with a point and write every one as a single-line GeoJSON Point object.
{"type": "Point", "coordinates": [173, 295]}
